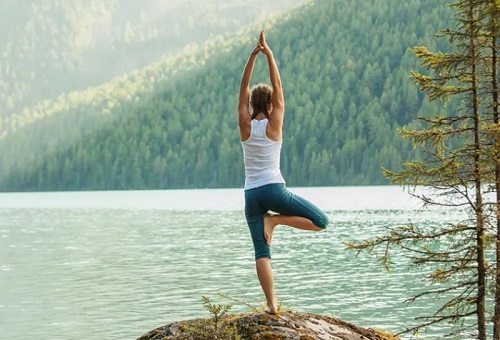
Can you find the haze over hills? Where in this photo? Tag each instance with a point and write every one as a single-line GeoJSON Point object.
{"type": "Point", "coordinates": [55, 46]}
{"type": "Point", "coordinates": [345, 70]}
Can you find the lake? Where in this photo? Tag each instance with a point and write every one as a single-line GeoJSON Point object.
{"type": "Point", "coordinates": [116, 264]}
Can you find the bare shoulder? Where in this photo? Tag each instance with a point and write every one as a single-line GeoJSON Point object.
{"type": "Point", "coordinates": [244, 121]}
{"type": "Point", "coordinates": [274, 129]}
{"type": "Point", "coordinates": [245, 128]}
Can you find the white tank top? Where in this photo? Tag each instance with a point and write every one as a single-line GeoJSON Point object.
{"type": "Point", "coordinates": [261, 156]}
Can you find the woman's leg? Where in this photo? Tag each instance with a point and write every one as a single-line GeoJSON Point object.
{"type": "Point", "coordinates": [299, 222]}
{"type": "Point", "coordinates": [293, 211]}
{"type": "Point", "coordinates": [266, 279]}
{"type": "Point", "coordinates": [254, 214]}
{"type": "Point", "coordinates": [263, 260]}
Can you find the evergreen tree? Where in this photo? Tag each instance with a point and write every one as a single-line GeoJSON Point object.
{"type": "Point", "coordinates": [454, 170]}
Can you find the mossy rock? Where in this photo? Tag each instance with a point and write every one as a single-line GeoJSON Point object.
{"type": "Point", "coordinates": [285, 326]}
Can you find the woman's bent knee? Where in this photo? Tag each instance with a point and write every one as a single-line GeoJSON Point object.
{"type": "Point", "coordinates": [322, 221]}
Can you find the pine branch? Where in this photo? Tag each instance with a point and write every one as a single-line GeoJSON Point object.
{"type": "Point", "coordinates": [440, 291]}
{"type": "Point", "coordinates": [435, 320]}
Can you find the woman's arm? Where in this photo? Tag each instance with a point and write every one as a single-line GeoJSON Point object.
{"type": "Point", "coordinates": [278, 100]}
{"type": "Point", "coordinates": [243, 100]}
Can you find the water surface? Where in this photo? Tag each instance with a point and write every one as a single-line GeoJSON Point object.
{"type": "Point", "coordinates": [113, 265]}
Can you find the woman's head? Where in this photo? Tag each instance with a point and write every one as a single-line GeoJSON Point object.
{"type": "Point", "coordinates": [260, 99]}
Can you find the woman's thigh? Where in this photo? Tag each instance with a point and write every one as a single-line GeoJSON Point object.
{"type": "Point", "coordinates": [277, 198]}
{"type": "Point", "coordinates": [254, 213]}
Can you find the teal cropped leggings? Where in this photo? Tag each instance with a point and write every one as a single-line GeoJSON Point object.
{"type": "Point", "coordinates": [277, 198]}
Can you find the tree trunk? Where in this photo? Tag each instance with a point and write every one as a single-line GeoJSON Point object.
{"type": "Point", "coordinates": [495, 100]}
{"type": "Point", "coordinates": [480, 233]}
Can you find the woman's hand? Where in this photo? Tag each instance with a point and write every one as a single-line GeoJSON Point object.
{"type": "Point", "coordinates": [257, 49]}
{"type": "Point", "coordinates": [263, 44]}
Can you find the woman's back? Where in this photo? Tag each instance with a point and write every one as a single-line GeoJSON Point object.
{"type": "Point", "coordinates": [261, 157]}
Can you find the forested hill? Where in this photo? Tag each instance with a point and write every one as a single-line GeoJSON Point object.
{"type": "Point", "coordinates": [344, 66]}
{"type": "Point", "coordinates": [54, 46]}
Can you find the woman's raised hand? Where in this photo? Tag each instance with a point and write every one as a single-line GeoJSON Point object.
{"type": "Point", "coordinates": [256, 50]}
{"type": "Point", "coordinates": [263, 44]}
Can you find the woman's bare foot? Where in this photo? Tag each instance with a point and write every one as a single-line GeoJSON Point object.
{"type": "Point", "coordinates": [268, 228]}
{"type": "Point", "coordinates": [272, 308]}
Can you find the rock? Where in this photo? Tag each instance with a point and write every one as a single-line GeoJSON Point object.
{"type": "Point", "coordinates": [256, 326]}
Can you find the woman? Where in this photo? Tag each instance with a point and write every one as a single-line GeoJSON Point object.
{"type": "Point", "coordinates": [265, 190]}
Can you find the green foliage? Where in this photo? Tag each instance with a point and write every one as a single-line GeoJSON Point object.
{"type": "Point", "coordinates": [214, 328]}
{"type": "Point", "coordinates": [54, 46]}
{"type": "Point", "coordinates": [344, 66]}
